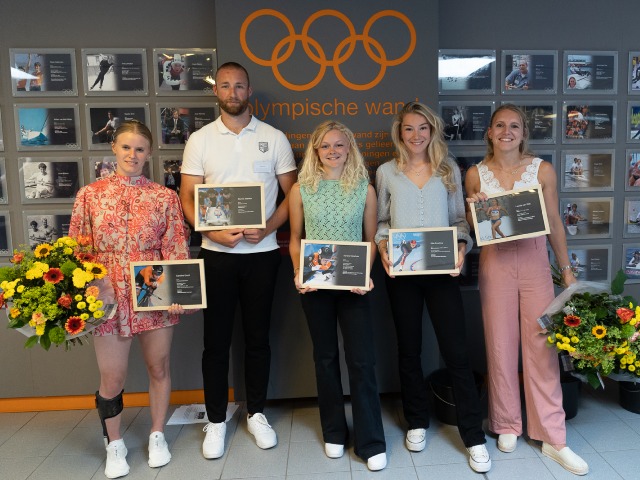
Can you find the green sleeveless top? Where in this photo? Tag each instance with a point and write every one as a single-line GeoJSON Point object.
{"type": "Point", "coordinates": [332, 213]}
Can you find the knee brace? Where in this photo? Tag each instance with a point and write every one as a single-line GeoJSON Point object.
{"type": "Point", "coordinates": [107, 408]}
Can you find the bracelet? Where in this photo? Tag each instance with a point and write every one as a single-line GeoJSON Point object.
{"type": "Point", "coordinates": [566, 267]}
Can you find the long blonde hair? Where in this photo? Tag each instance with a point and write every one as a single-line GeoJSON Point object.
{"type": "Point", "coordinates": [311, 172]}
{"type": "Point", "coordinates": [437, 150]}
{"type": "Point", "coordinates": [524, 145]}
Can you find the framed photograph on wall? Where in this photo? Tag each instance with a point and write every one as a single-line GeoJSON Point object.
{"type": "Point", "coordinates": [466, 122]}
{"type": "Point", "coordinates": [590, 72]}
{"type": "Point", "coordinates": [631, 217]}
{"type": "Point", "coordinates": [541, 120]}
{"type": "Point", "coordinates": [423, 251]}
{"type": "Point", "coordinates": [232, 205]}
{"type": "Point", "coordinates": [547, 156]}
{"type": "Point", "coordinates": [1, 135]}
{"type": "Point", "coordinates": [47, 180]}
{"type": "Point", "coordinates": [4, 193]}
{"type": "Point", "coordinates": [466, 159]}
{"type": "Point", "coordinates": [185, 71]}
{"type": "Point", "coordinates": [633, 122]}
{"type": "Point", "coordinates": [170, 166]}
{"type": "Point", "coordinates": [634, 72]}
{"type": "Point", "coordinates": [45, 226]}
{"type": "Point", "coordinates": [47, 127]}
{"type": "Point", "coordinates": [631, 262]}
{"type": "Point", "coordinates": [6, 245]}
{"type": "Point", "coordinates": [102, 167]}
{"type": "Point", "coordinates": [587, 171]}
{"type": "Point", "coordinates": [177, 122]}
{"type": "Point", "coordinates": [632, 171]}
{"type": "Point", "coordinates": [587, 217]}
{"type": "Point", "coordinates": [102, 121]}
{"type": "Point", "coordinates": [588, 122]}
{"type": "Point", "coordinates": [589, 262]}
{"type": "Point", "coordinates": [43, 72]}
{"type": "Point", "coordinates": [121, 71]}
{"type": "Point", "coordinates": [466, 72]}
{"type": "Point", "coordinates": [529, 71]}
{"type": "Point", "coordinates": [335, 265]}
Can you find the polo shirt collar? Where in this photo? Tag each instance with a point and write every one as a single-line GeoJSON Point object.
{"type": "Point", "coordinates": [222, 128]}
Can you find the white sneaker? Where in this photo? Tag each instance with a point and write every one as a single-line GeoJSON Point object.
{"type": "Point", "coordinates": [158, 450]}
{"type": "Point", "coordinates": [507, 442]}
{"type": "Point", "coordinates": [377, 462]}
{"type": "Point", "coordinates": [333, 450]}
{"type": "Point", "coordinates": [260, 428]}
{"type": "Point", "coordinates": [415, 440]}
{"type": "Point", "coordinates": [567, 458]}
{"type": "Point", "coordinates": [479, 458]}
{"type": "Point", "coordinates": [213, 445]}
{"type": "Point", "coordinates": [117, 465]}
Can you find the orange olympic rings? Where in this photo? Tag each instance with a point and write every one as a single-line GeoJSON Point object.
{"type": "Point", "coordinates": [285, 47]}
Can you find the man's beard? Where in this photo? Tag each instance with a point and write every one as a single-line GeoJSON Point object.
{"type": "Point", "coordinates": [233, 109]}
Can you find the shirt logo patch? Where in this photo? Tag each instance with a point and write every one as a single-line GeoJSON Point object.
{"type": "Point", "coordinates": [263, 147]}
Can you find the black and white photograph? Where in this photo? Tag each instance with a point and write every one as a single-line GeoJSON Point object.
{"type": "Point", "coordinates": [335, 265]}
{"type": "Point", "coordinates": [45, 226]}
{"type": "Point", "coordinates": [585, 171]}
{"type": "Point", "coordinates": [43, 180]}
{"type": "Point", "coordinates": [632, 172]}
{"type": "Point", "coordinates": [631, 262]}
{"type": "Point", "coordinates": [470, 72]}
{"type": "Point", "coordinates": [541, 120]}
{"type": "Point", "coordinates": [43, 72]}
{"type": "Point", "coordinates": [529, 71]}
{"type": "Point", "coordinates": [510, 215]}
{"type": "Point", "coordinates": [115, 71]}
{"type": "Point", "coordinates": [102, 167]}
{"type": "Point", "coordinates": [632, 217]}
{"type": "Point", "coordinates": [184, 71]}
{"type": "Point", "coordinates": [234, 205]}
{"type": "Point", "coordinates": [589, 122]}
{"type": "Point", "coordinates": [466, 122]}
{"type": "Point", "coordinates": [170, 167]}
{"type": "Point", "coordinates": [178, 121]}
{"type": "Point", "coordinates": [102, 121]}
{"type": "Point", "coordinates": [587, 217]}
{"type": "Point", "coordinates": [590, 72]}
{"type": "Point", "coordinates": [634, 72]}
{"type": "Point", "coordinates": [423, 251]}
{"type": "Point", "coordinates": [6, 245]}
{"type": "Point", "coordinates": [589, 262]}
{"type": "Point", "coordinates": [4, 194]}
{"type": "Point", "coordinates": [466, 159]}
{"type": "Point", "coordinates": [47, 127]}
{"type": "Point", "coordinates": [633, 122]}
{"type": "Point", "coordinates": [156, 285]}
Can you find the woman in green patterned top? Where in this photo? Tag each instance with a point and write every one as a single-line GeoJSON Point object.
{"type": "Point", "coordinates": [333, 201]}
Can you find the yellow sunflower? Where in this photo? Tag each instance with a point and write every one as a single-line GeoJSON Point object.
{"type": "Point", "coordinates": [599, 331]}
{"type": "Point", "coordinates": [42, 250]}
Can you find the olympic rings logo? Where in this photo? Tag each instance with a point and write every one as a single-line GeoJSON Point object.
{"type": "Point", "coordinates": [285, 47]}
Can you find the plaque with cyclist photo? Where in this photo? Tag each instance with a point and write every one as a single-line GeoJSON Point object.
{"type": "Point", "coordinates": [333, 265]}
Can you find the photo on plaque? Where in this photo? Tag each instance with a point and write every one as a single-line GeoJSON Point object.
{"type": "Point", "coordinates": [47, 127]}
{"type": "Point", "coordinates": [529, 71]}
{"type": "Point", "coordinates": [45, 226]}
{"type": "Point", "coordinates": [589, 262]}
{"type": "Point", "coordinates": [104, 120]}
{"type": "Point", "coordinates": [44, 180]}
{"type": "Point", "coordinates": [634, 72]}
{"type": "Point", "coordinates": [6, 246]}
{"type": "Point", "coordinates": [633, 122]}
{"type": "Point", "coordinates": [632, 217]}
{"type": "Point", "coordinates": [184, 71]}
{"type": "Point", "coordinates": [1, 135]}
{"type": "Point", "coordinates": [102, 167]}
{"type": "Point", "coordinates": [115, 71]}
{"type": "Point", "coordinates": [43, 72]}
{"type": "Point", "coordinates": [541, 120]}
{"type": "Point", "coordinates": [587, 217]}
{"type": "Point", "coordinates": [631, 262]}
{"type": "Point", "coordinates": [466, 72]}
{"type": "Point", "coordinates": [334, 265]}
{"type": "Point", "coordinates": [510, 215]}
{"type": "Point", "coordinates": [177, 122]}
{"type": "Point", "coordinates": [423, 251]}
{"type": "Point", "coordinates": [467, 159]}
{"type": "Point", "coordinates": [590, 72]}
{"type": "Point", "coordinates": [632, 172]}
{"type": "Point", "coordinates": [584, 171]}
{"type": "Point", "coordinates": [466, 122]}
{"type": "Point", "coordinates": [234, 205]}
{"type": "Point", "coordinates": [170, 167]}
{"type": "Point", "coordinates": [4, 193]}
{"type": "Point", "coordinates": [157, 284]}
{"type": "Point", "coordinates": [589, 122]}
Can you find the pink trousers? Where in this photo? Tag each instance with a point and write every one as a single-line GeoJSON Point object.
{"type": "Point", "coordinates": [515, 288]}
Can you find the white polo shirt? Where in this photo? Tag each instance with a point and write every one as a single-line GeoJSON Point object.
{"type": "Point", "coordinates": [257, 154]}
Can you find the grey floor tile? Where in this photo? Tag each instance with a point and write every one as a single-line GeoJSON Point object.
{"type": "Point", "coordinates": [76, 467]}
{"type": "Point", "coordinates": [389, 473]}
{"type": "Point", "coordinates": [38, 440]}
{"type": "Point", "coordinates": [305, 406]}
{"type": "Point", "coordinates": [66, 418]}
{"type": "Point", "coordinates": [444, 446]}
{"type": "Point", "coordinates": [309, 457]}
{"type": "Point", "coordinates": [144, 415]}
{"type": "Point", "coordinates": [18, 419]}
{"type": "Point", "coordinates": [519, 468]}
{"type": "Point", "coordinates": [605, 437]}
{"type": "Point", "coordinates": [188, 463]}
{"type": "Point", "coordinates": [81, 440]}
{"type": "Point", "coordinates": [20, 468]}
{"type": "Point", "coordinates": [246, 461]}
{"type": "Point", "coordinates": [392, 424]}
{"type": "Point", "coordinates": [306, 428]}
{"type": "Point", "coordinates": [321, 476]}
{"type": "Point", "coordinates": [621, 462]}
{"type": "Point", "coordinates": [457, 471]}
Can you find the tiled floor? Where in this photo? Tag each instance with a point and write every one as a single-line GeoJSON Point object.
{"type": "Point", "coordinates": [68, 445]}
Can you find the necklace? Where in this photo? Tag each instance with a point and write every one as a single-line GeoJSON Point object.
{"type": "Point", "coordinates": [418, 172]}
{"type": "Point", "coordinates": [513, 172]}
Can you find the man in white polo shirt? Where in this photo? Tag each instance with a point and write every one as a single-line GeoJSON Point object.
{"type": "Point", "coordinates": [240, 264]}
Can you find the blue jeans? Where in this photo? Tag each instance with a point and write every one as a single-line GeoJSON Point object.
{"type": "Point", "coordinates": [324, 309]}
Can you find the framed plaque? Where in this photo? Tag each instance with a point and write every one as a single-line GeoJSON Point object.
{"type": "Point", "coordinates": [423, 251]}
{"type": "Point", "coordinates": [170, 166]}
{"type": "Point", "coordinates": [47, 180]}
{"type": "Point", "coordinates": [47, 127]}
{"type": "Point", "coordinates": [43, 72]}
{"type": "Point", "coordinates": [632, 171]}
{"type": "Point", "coordinates": [102, 167]}
{"type": "Point", "coordinates": [4, 193]}
{"type": "Point", "coordinates": [466, 122]}
{"type": "Point", "coordinates": [157, 284]}
{"type": "Point", "coordinates": [585, 171]}
{"type": "Point", "coordinates": [589, 122]}
{"type": "Point", "coordinates": [45, 226]}
{"type": "Point", "coordinates": [224, 206]}
{"type": "Point", "coordinates": [102, 121]}
{"type": "Point", "coordinates": [529, 71]}
{"type": "Point", "coordinates": [110, 72]}
{"type": "Point", "coordinates": [632, 217]}
{"type": "Point", "coordinates": [633, 122]}
{"type": "Point", "coordinates": [631, 261]}
{"type": "Point", "coordinates": [471, 72]}
{"type": "Point", "coordinates": [590, 72]}
{"type": "Point", "coordinates": [634, 72]}
{"type": "Point", "coordinates": [510, 215]}
{"type": "Point", "coordinates": [589, 262]}
{"type": "Point", "coordinates": [177, 122]}
{"type": "Point", "coordinates": [6, 245]}
{"type": "Point", "coordinates": [184, 71]}
{"type": "Point", "coordinates": [587, 217]}
{"type": "Point", "coordinates": [541, 120]}
{"type": "Point", "coordinates": [334, 265]}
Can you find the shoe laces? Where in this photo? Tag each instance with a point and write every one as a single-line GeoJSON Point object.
{"type": "Point", "coordinates": [260, 422]}
{"type": "Point", "coordinates": [479, 453]}
{"type": "Point", "coordinates": [213, 429]}
{"type": "Point", "coordinates": [416, 435]}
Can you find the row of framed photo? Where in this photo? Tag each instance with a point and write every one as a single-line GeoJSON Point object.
{"type": "Point", "coordinates": [38, 72]}
{"type": "Point", "coordinates": [531, 72]}
{"type": "Point", "coordinates": [57, 126]}
{"type": "Point", "coordinates": [583, 121]}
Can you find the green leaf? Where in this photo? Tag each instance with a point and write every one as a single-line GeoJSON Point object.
{"type": "Point", "coordinates": [593, 380]}
{"type": "Point", "coordinates": [600, 312]}
{"type": "Point", "coordinates": [31, 341]}
{"type": "Point", "coordinates": [617, 285]}
{"type": "Point", "coordinates": [45, 342]}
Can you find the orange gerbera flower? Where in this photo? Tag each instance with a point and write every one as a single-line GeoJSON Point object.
{"type": "Point", "coordinates": [53, 275]}
{"type": "Point", "coordinates": [572, 320]}
{"type": "Point", "coordinates": [74, 325]}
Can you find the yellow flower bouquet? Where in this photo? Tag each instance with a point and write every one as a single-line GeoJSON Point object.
{"type": "Point", "coordinates": [597, 329]}
{"type": "Point", "coordinates": [56, 293]}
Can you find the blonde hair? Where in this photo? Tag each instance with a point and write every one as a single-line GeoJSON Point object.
{"type": "Point", "coordinates": [524, 145]}
{"type": "Point", "coordinates": [437, 150]}
{"type": "Point", "coordinates": [311, 172]}
{"type": "Point", "coordinates": [136, 127]}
